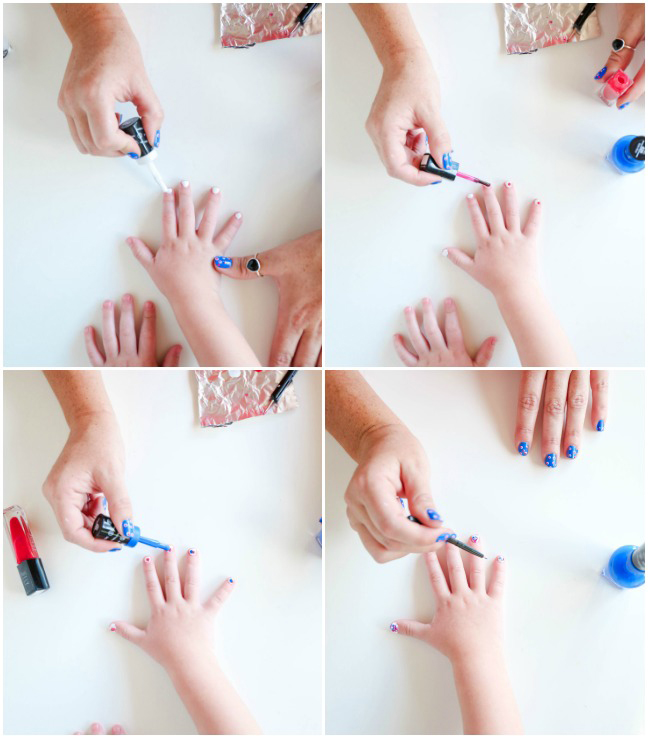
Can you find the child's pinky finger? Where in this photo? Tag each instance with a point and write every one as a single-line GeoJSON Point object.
{"type": "Point", "coordinates": [532, 225]}
{"type": "Point", "coordinates": [127, 631]}
{"type": "Point", "coordinates": [498, 577]}
{"type": "Point", "coordinates": [404, 355]}
{"type": "Point", "coordinates": [218, 599]}
{"type": "Point", "coordinates": [409, 628]}
{"type": "Point", "coordinates": [95, 356]}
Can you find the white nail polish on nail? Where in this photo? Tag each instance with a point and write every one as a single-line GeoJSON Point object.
{"type": "Point", "coordinates": [184, 183]}
{"type": "Point", "coordinates": [169, 191]}
{"type": "Point", "coordinates": [215, 190]}
{"type": "Point", "coordinates": [444, 252]}
{"type": "Point", "coordinates": [470, 196]}
{"type": "Point", "coordinates": [238, 216]}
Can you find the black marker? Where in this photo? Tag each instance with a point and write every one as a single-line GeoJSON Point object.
{"type": "Point", "coordinates": [454, 541]}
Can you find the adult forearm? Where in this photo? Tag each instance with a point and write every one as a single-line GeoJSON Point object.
{"type": "Point", "coordinates": [84, 20]}
{"type": "Point", "coordinates": [390, 28]}
{"type": "Point", "coordinates": [354, 411]}
{"type": "Point", "coordinates": [488, 705]}
{"type": "Point", "coordinates": [210, 699]}
{"type": "Point", "coordinates": [80, 394]}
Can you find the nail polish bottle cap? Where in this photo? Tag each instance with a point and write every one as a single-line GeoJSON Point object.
{"type": "Point", "coordinates": [133, 127]}
{"type": "Point", "coordinates": [639, 557]}
{"type": "Point", "coordinates": [619, 82]}
{"type": "Point", "coordinates": [429, 165]}
{"type": "Point", "coordinates": [637, 148]}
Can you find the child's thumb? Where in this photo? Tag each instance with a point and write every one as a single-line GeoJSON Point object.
{"type": "Point", "coordinates": [127, 631]}
{"type": "Point", "coordinates": [409, 628]}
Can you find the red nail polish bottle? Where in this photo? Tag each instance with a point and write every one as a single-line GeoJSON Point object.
{"type": "Point", "coordinates": [615, 86]}
{"type": "Point", "coordinates": [30, 567]}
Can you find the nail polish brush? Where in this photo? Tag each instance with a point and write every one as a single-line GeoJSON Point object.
{"type": "Point", "coordinates": [453, 540]}
{"type": "Point", "coordinates": [280, 389]}
{"type": "Point", "coordinates": [304, 15]}
{"type": "Point", "coordinates": [104, 528]}
{"type": "Point", "coordinates": [431, 167]}
{"type": "Point", "coordinates": [148, 154]}
{"type": "Point", "coordinates": [578, 24]}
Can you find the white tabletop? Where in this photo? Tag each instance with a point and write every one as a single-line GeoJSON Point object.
{"type": "Point", "coordinates": [532, 119]}
{"type": "Point", "coordinates": [248, 121]}
{"type": "Point", "coordinates": [575, 642]}
{"type": "Point", "coordinates": [248, 497]}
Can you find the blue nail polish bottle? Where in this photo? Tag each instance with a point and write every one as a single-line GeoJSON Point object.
{"type": "Point", "coordinates": [628, 154]}
{"type": "Point", "coordinates": [104, 528]}
{"type": "Point", "coordinates": [627, 567]}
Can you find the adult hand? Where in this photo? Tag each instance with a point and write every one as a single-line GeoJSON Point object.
{"type": "Point", "coordinates": [89, 469]}
{"type": "Point", "coordinates": [566, 393]}
{"type": "Point", "coordinates": [392, 465]}
{"type": "Point", "coordinates": [405, 118]}
{"type": "Point", "coordinates": [105, 67]}
{"type": "Point", "coordinates": [296, 267]}
{"type": "Point", "coordinates": [631, 28]}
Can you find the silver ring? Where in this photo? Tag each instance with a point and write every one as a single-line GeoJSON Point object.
{"type": "Point", "coordinates": [254, 265]}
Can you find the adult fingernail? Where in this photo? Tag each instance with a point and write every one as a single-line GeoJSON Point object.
{"type": "Point", "coordinates": [114, 549]}
{"type": "Point", "coordinates": [128, 528]}
{"type": "Point", "coordinates": [133, 155]}
{"type": "Point", "coordinates": [523, 448]}
{"type": "Point", "coordinates": [600, 426]}
{"type": "Point", "coordinates": [625, 105]}
{"type": "Point", "coordinates": [104, 504]}
{"type": "Point", "coordinates": [401, 500]}
{"type": "Point", "coordinates": [185, 183]}
{"type": "Point", "coordinates": [572, 452]}
{"type": "Point", "coordinates": [437, 182]}
{"type": "Point", "coordinates": [433, 515]}
{"type": "Point", "coordinates": [600, 73]}
{"type": "Point", "coordinates": [443, 537]}
{"type": "Point", "coordinates": [192, 552]}
{"type": "Point", "coordinates": [393, 627]}
{"type": "Point", "coordinates": [474, 539]}
{"type": "Point", "coordinates": [113, 627]}
{"type": "Point", "coordinates": [550, 460]}
{"type": "Point", "coordinates": [156, 143]}
{"type": "Point", "coordinates": [449, 163]}
{"type": "Point", "coordinates": [223, 262]}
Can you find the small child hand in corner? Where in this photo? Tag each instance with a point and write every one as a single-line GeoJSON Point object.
{"type": "Point", "coordinates": [467, 627]}
{"type": "Point", "coordinates": [180, 637]}
{"type": "Point", "coordinates": [123, 347]}
{"type": "Point", "coordinates": [506, 263]}
{"type": "Point", "coordinates": [182, 268]}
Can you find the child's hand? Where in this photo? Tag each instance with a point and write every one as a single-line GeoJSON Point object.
{"type": "Point", "coordinates": [468, 622]}
{"type": "Point", "coordinates": [128, 349]}
{"type": "Point", "coordinates": [98, 729]}
{"type": "Point", "coordinates": [505, 261]}
{"type": "Point", "coordinates": [182, 266]}
{"type": "Point", "coordinates": [432, 347]}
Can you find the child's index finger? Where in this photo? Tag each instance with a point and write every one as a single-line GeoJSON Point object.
{"type": "Point", "coordinates": [493, 209]}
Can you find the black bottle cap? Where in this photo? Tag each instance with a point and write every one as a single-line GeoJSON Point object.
{"type": "Point", "coordinates": [429, 165]}
{"type": "Point", "coordinates": [32, 574]}
{"type": "Point", "coordinates": [104, 528]}
{"type": "Point", "coordinates": [133, 127]}
{"type": "Point", "coordinates": [637, 148]}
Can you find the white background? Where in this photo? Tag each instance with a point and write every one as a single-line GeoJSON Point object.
{"type": "Point", "coordinates": [535, 120]}
{"type": "Point", "coordinates": [575, 642]}
{"type": "Point", "coordinates": [248, 497]}
{"type": "Point", "coordinates": [245, 120]}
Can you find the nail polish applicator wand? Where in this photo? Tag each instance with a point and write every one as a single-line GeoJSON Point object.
{"type": "Point", "coordinates": [148, 154]}
{"type": "Point", "coordinates": [304, 15]}
{"type": "Point", "coordinates": [104, 528]}
{"type": "Point", "coordinates": [286, 380]}
{"type": "Point", "coordinates": [453, 540]}
{"type": "Point", "coordinates": [431, 167]}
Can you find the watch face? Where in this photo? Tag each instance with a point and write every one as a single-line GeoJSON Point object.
{"type": "Point", "coordinates": [617, 44]}
{"type": "Point", "coordinates": [253, 265]}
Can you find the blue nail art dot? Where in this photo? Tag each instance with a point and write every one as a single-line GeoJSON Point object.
{"type": "Point", "coordinates": [191, 551]}
{"type": "Point", "coordinates": [133, 156]}
{"type": "Point", "coordinates": [523, 448]}
{"type": "Point", "coordinates": [442, 537]}
{"type": "Point", "coordinates": [600, 425]}
{"type": "Point", "coordinates": [433, 515]}
{"type": "Point", "coordinates": [231, 581]}
{"type": "Point", "coordinates": [394, 628]}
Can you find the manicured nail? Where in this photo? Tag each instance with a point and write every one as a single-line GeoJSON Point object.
{"type": "Point", "coordinates": [393, 627]}
{"type": "Point", "coordinates": [113, 627]}
{"type": "Point", "coordinates": [185, 183]}
{"type": "Point", "coordinates": [128, 528]}
{"type": "Point", "coordinates": [523, 448]}
{"type": "Point", "coordinates": [500, 558]}
{"type": "Point", "coordinates": [550, 460]}
{"type": "Point", "coordinates": [238, 216]}
{"type": "Point", "coordinates": [600, 426]}
{"type": "Point", "coordinates": [426, 139]}
{"type": "Point", "coordinates": [169, 191]}
{"type": "Point", "coordinates": [401, 500]}
{"type": "Point", "coordinates": [446, 161]}
{"type": "Point", "coordinates": [147, 559]}
{"type": "Point", "coordinates": [104, 504]}
{"type": "Point", "coordinates": [600, 73]}
{"type": "Point", "coordinates": [223, 262]}
{"type": "Point", "coordinates": [169, 549]}
{"type": "Point", "coordinates": [445, 252]}
{"type": "Point", "coordinates": [433, 515]}
{"type": "Point", "coordinates": [470, 196]}
{"type": "Point", "coordinates": [231, 581]}
{"type": "Point", "coordinates": [215, 190]}
{"type": "Point", "coordinates": [443, 537]}
{"type": "Point", "coordinates": [133, 155]}
{"type": "Point", "coordinates": [474, 539]}
{"type": "Point", "coordinates": [114, 549]}
{"type": "Point", "coordinates": [192, 552]}
{"type": "Point", "coordinates": [508, 184]}
{"type": "Point", "coordinates": [536, 202]}
{"type": "Point", "coordinates": [156, 142]}
{"type": "Point", "coordinates": [437, 182]}
{"type": "Point", "coordinates": [572, 452]}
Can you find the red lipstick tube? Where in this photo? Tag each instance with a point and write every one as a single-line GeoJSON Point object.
{"type": "Point", "coordinates": [30, 567]}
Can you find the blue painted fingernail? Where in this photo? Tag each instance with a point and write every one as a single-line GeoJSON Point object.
{"type": "Point", "coordinates": [231, 581]}
{"type": "Point", "coordinates": [446, 161]}
{"type": "Point", "coordinates": [192, 552]}
{"type": "Point", "coordinates": [600, 426]}
{"type": "Point", "coordinates": [474, 539]}
{"type": "Point", "coordinates": [600, 73]}
{"type": "Point", "coordinates": [156, 143]}
{"type": "Point", "coordinates": [443, 537]}
{"type": "Point", "coordinates": [572, 452]}
{"type": "Point", "coordinates": [128, 528]}
{"type": "Point", "coordinates": [523, 448]}
{"type": "Point", "coordinates": [452, 164]}
{"type": "Point", "coordinates": [133, 156]}
{"type": "Point", "coordinates": [625, 105]}
{"type": "Point", "coordinates": [437, 182]}
{"type": "Point", "coordinates": [433, 515]}
{"type": "Point", "coordinates": [223, 262]}
{"type": "Point", "coordinates": [393, 627]}
{"type": "Point", "coordinates": [104, 504]}
{"type": "Point", "coordinates": [500, 558]}
{"type": "Point", "coordinates": [114, 549]}
{"type": "Point", "coordinates": [550, 460]}
{"type": "Point", "coordinates": [400, 499]}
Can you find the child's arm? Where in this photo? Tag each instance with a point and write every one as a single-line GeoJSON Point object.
{"type": "Point", "coordinates": [467, 628]}
{"type": "Point", "coordinates": [179, 636]}
{"type": "Point", "coordinates": [506, 263]}
{"type": "Point", "coordinates": [182, 268]}
{"type": "Point", "coordinates": [123, 347]}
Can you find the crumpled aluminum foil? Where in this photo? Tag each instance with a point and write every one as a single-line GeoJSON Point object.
{"type": "Point", "coordinates": [225, 396]}
{"type": "Point", "coordinates": [245, 24]}
{"type": "Point", "coordinates": [532, 26]}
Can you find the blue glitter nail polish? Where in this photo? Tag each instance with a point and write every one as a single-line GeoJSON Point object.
{"type": "Point", "coordinates": [443, 537]}
{"type": "Point", "coordinates": [128, 528]}
{"type": "Point", "coordinates": [625, 105]}
{"type": "Point", "coordinates": [156, 142]}
{"type": "Point", "coordinates": [550, 460]}
{"type": "Point", "coordinates": [523, 448]}
{"type": "Point", "coordinates": [600, 426]}
{"type": "Point", "coordinates": [572, 452]}
{"type": "Point", "coordinates": [231, 581]}
{"type": "Point", "coordinates": [433, 515]}
{"type": "Point", "coordinates": [133, 156]}
{"type": "Point", "coordinates": [600, 73]}
{"type": "Point", "coordinates": [223, 262]}
{"type": "Point", "coordinates": [393, 627]}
